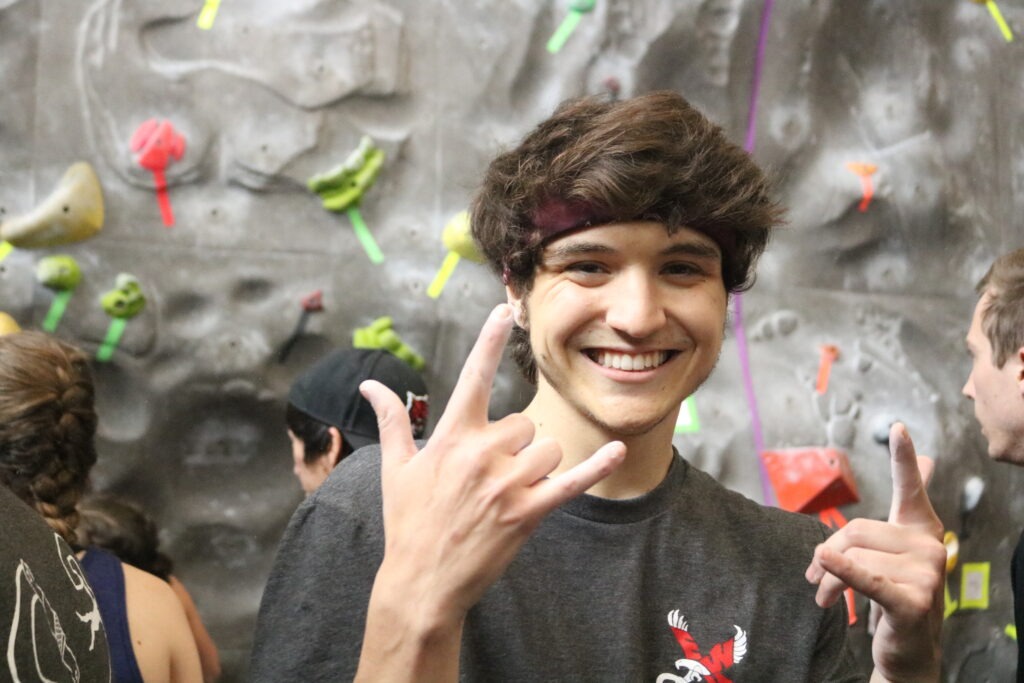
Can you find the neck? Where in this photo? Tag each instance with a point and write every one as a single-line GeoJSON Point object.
{"type": "Point", "coordinates": [648, 454]}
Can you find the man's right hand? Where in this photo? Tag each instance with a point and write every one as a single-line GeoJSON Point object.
{"type": "Point", "coordinates": [456, 513]}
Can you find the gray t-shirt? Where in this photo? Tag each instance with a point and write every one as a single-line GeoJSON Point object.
{"type": "Point", "coordinates": [690, 579]}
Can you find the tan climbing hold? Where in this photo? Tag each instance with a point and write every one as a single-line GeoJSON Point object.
{"type": "Point", "coordinates": [73, 212]}
{"type": "Point", "coordinates": [8, 324]}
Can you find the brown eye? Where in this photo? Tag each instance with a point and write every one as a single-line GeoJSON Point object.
{"type": "Point", "coordinates": [683, 269]}
{"type": "Point", "coordinates": [586, 267]}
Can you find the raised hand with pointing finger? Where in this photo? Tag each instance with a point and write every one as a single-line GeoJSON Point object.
{"type": "Point", "coordinates": [900, 564]}
{"type": "Point", "coordinates": [456, 512]}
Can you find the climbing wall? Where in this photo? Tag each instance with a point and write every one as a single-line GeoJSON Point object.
{"type": "Point", "coordinates": [890, 130]}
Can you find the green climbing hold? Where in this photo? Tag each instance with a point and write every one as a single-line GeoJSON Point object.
{"type": "Point", "coordinates": [125, 300]}
{"type": "Point", "coordinates": [59, 272]}
{"type": "Point", "coordinates": [343, 186]}
{"type": "Point", "coordinates": [380, 335]}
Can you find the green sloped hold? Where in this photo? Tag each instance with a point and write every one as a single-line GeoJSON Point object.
{"type": "Point", "coordinates": [380, 335]}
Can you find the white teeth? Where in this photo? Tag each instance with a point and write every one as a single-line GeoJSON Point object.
{"type": "Point", "coordinates": [625, 361]}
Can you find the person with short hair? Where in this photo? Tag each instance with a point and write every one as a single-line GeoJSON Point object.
{"type": "Point", "coordinates": [995, 342]}
{"type": "Point", "coordinates": [572, 541]}
{"type": "Point", "coordinates": [328, 419]}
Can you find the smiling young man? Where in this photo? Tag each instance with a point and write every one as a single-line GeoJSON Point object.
{"type": "Point", "coordinates": [995, 342]}
{"type": "Point", "coordinates": [625, 321]}
{"type": "Point", "coordinates": [571, 541]}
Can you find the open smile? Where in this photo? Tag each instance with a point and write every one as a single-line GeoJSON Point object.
{"type": "Point", "coordinates": [630, 362]}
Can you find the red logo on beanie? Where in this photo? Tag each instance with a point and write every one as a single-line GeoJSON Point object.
{"type": "Point", "coordinates": [417, 407]}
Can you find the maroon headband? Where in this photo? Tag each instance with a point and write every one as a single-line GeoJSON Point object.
{"type": "Point", "coordinates": [556, 216]}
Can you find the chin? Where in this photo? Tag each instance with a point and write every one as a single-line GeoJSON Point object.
{"type": "Point", "coordinates": [1010, 457]}
{"type": "Point", "coordinates": [1012, 453]}
{"type": "Point", "coordinates": [627, 426]}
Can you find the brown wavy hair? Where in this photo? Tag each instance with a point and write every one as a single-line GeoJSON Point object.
{"type": "Point", "coordinates": [653, 158]}
{"type": "Point", "coordinates": [47, 425]}
{"type": "Point", "coordinates": [123, 528]}
{"type": "Point", "coordinates": [1003, 318]}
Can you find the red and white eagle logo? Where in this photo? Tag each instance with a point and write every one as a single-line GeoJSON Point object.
{"type": "Point", "coordinates": [708, 668]}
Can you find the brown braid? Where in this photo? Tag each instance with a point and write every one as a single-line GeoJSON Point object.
{"type": "Point", "coordinates": [47, 425]}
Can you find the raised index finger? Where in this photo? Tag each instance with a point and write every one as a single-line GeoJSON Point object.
{"type": "Point", "coordinates": [472, 393]}
{"type": "Point", "coordinates": [910, 504]}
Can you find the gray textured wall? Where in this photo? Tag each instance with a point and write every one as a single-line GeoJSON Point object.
{"type": "Point", "coordinates": [191, 404]}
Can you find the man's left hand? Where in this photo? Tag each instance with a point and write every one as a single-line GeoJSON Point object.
{"type": "Point", "coordinates": [899, 564]}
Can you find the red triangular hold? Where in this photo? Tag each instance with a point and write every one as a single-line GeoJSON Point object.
{"type": "Point", "coordinates": [810, 479]}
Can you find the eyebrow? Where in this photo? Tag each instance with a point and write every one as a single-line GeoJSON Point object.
{"type": "Point", "coordinates": [695, 249]}
{"type": "Point", "coordinates": [698, 249]}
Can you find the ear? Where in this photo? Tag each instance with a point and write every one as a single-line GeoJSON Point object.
{"type": "Point", "coordinates": [518, 306]}
{"type": "Point", "coordinates": [1018, 360]}
{"type": "Point", "coordinates": [333, 453]}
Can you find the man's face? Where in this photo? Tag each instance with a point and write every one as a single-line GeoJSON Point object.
{"type": "Point", "coordinates": [310, 475]}
{"type": "Point", "coordinates": [625, 321]}
{"type": "Point", "coordinates": [996, 392]}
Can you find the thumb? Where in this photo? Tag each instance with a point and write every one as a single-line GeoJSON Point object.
{"type": "Point", "coordinates": [392, 422]}
{"type": "Point", "coordinates": [926, 466]}
{"type": "Point", "coordinates": [910, 504]}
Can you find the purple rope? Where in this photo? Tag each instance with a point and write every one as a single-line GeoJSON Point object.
{"type": "Point", "coordinates": [755, 88]}
{"type": "Point", "coordinates": [738, 330]}
{"type": "Point", "coordinates": [748, 386]}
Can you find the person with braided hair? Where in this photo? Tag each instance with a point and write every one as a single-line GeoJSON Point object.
{"type": "Point", "coordinates": [47, 429]}
{"type": "Point", "coordinates": [50, 626]}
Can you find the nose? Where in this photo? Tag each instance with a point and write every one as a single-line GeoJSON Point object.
{"type": "Point", "coordinates": [635, 305]}
{"type": "Point", "coordinates": [968, 389]}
